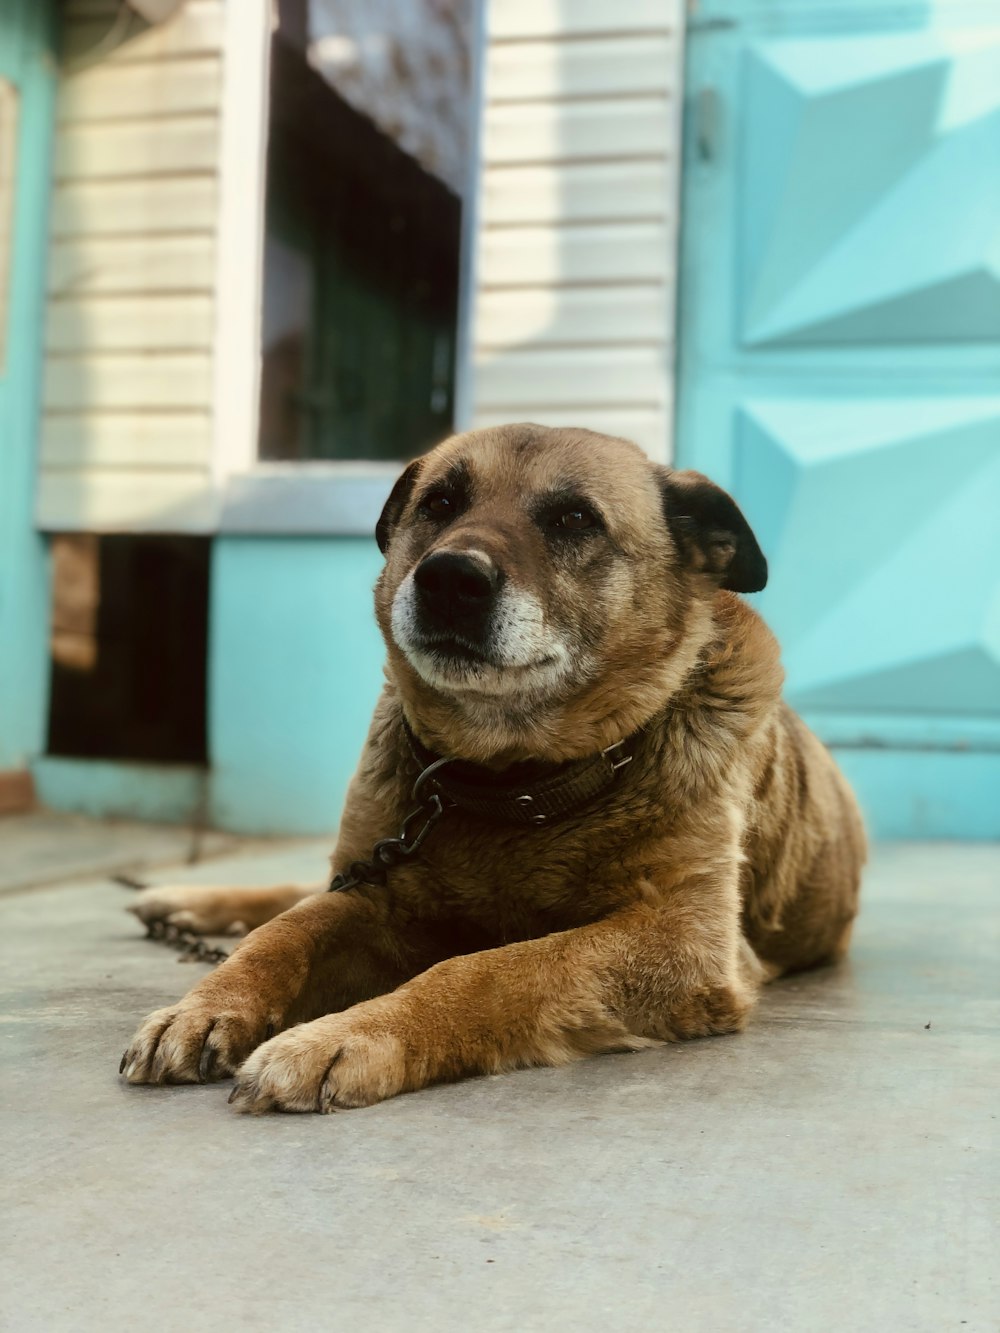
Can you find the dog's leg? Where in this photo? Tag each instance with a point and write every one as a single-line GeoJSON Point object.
{"type": "Point", "coordinates": [210, 909]}
{"type": "Point", "coordinates": [648, 973]}
{"type": "Point", "coordinates": [329, 952]}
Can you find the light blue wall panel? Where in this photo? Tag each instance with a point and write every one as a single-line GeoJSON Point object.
{"type": "Point", "coordinates": [26, 61]}
{"type": "Point", "coordinates": [840, 370]}
{"type": "Point", "coordinates": [926, 794]}
{"type": "Point", "coordinates": [295, 669]}
{"type": "Point", "coordinates": [108, 789]}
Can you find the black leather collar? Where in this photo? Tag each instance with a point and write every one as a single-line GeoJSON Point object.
{"type": "Point", "coordinates": [523, 794]}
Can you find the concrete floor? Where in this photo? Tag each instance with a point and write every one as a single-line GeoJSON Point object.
{"type": "Point", "coordinates": [835, 1168]}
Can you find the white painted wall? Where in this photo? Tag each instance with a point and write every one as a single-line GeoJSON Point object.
{"type": "Point", "coordinates": [152, 341]}
{"type": "Point", "coordinates": [128, 432]}
{"type": "Point", "coordinates": [574, 266]}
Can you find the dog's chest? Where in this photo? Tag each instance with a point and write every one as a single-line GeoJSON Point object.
{"type": "Point", "coordinates": [517, 882]}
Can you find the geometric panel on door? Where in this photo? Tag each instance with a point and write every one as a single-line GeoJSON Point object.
{"type": "Point", "coordinates": [879, 518]}
{"type": "Point", "coordinates": [870, 194]}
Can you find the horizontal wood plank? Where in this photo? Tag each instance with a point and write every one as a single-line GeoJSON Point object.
{"type": "Point", "coordinates": [137, 265]}
{"type": "Point", "coordinates": [90, 383]}
{"type": "Point", "coordinates": [570, 379]}
{"type": "Point", "coordinates": [107, 92]}
{"type": "Point", "coordinates": [196, 29]}
{"type": "Point", "coordinates": [143, 148]}
{"type": "Point", "coordinates": [127, 501]}
{"type": "Point", "coordinates": [115, 208]}
{"type": "Point", "coordinates": [511, 19]}
{"type": "Point", "coordinates": [624, 252]}
{"type": "Point", "coordinates": [572, 315]}
{"type": "Point", "coordinates": [574, 192]}
{"type": "Point", "coordinates": [130, 324]}
{"type": "Point", "coordinates": [140, 440]}
{"type": "Point", "coordinates": [557, 132]}
{"type": "Point", "coordinates": [604, 67]}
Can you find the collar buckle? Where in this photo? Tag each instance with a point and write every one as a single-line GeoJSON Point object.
{"type": "Point", "coordinates": [617, 761]}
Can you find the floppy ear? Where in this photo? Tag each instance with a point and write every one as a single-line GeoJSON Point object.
{"type": "Point", "coordinates": [711, 532]}
{"type": "Point", "coordinates": [395, 505]}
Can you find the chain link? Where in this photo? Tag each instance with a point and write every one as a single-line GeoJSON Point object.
{"type": "Point", "coordinates": [192, 949]}
{"type": "Point", "coordinates": [389, 852]}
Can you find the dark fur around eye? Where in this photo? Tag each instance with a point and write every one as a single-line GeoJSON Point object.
{"type": "Point", "coordinates": [568, 517]}
{"type": "Point", "coordinates": [439, 504]}
{"type": "Point", "coordinates": [446, 499]}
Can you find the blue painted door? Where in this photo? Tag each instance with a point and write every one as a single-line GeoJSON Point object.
{"type": "Point", "coordinates": [27, 81]}
{"type": "Point", "coordinates": [840, 371]}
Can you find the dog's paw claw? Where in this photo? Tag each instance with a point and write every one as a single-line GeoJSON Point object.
{"type": "Point", "coordinates": [328, 1065]}
{"type": "Point", "coordinates": [190, 1043]}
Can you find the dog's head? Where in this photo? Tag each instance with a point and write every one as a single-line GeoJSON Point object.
{"type": "Point", "coordinates": [531, 569]}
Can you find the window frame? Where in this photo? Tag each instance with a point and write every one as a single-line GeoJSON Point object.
{"type": "Point", "coordinates": [317, 498]}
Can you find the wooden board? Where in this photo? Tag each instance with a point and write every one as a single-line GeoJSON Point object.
{"type": "Point", "coordinates": [146, 440]}
{"type": "Point", "coordinates": [510, 20]}
{"type": "Point", "coordinates": [570, 379]}
{"type": "Point", "coordinates": [127, 207]}
{"type": "Point", "coordinates": [135, 264]}
{"type": "Point", "coordinates": [553, 256]}
{"type": "Point", "coordinates": [143, 148]}
{"type": "Point", "coordinates": [572, 315]}
{"type": "Point", "coordinates": [88, 383]}
{"type": "Point", "coordinates": [111, 92]}
{"type": "Point", "coordinates": [129, 324]}
{"type": "Point", "coordinates": [574, 192]}
{"type": "Point", "coordinates": [610, 67]}
{"type": "Point", "coordinates": [629, 127]}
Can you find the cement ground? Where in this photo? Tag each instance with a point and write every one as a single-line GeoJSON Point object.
{"type": "Point", "coordinates": [835, 1168]}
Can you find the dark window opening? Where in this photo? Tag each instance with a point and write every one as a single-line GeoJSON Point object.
{"type": "Point", "coordinates": [129, 648]}
{"type": "Point", "coordinates": [361, 261]}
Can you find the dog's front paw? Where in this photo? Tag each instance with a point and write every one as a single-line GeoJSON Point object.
{"type": "Point", "coordinates": [192, 1042]}
{"type": "Point", "coordinates": [331, 1064]}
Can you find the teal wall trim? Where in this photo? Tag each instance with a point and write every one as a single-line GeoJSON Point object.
{"type": "Point", "coordinates": [295, 670]}
{"type": "Point", "coordinates": [26, 44]}
{"type": "Point", "coordinates": [925, 794]}
{"type": "Point", "coordinates": [158, 793]}
{"type": "Point", "coordinates": [839, 354]}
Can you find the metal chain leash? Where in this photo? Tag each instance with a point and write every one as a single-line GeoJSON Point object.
{"type": "Point", "coordinates": [389, 852]}
{"type": "Point", "coordinates": [191, 947]}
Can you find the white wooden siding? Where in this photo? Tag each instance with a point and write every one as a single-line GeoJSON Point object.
{"type": "Point", "coordinates": [573, 303]}
{"type": "Point", "coordinates": [130, 208]}
{"type": "Point", "coordinates": [127, 435]}
{"type": "Point", "coordinates": [130, 441]}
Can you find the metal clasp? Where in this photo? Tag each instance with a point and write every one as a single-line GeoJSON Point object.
{"type": "Point", "coordinates": [620, 761]}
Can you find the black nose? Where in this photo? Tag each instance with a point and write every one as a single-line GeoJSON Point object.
{"type": "Point", "coordinates": [454, 588]}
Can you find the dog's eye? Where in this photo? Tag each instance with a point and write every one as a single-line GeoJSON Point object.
{"type": "Point", "coordinates": [576, 520]}
{"type": "Point", "coordinates": [438, 504]}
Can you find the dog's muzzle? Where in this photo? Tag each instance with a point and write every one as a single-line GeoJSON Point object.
{"type": "Point", "coordinates": [455, 596]}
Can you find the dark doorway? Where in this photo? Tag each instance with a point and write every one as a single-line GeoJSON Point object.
{"type": "Point", "coordinates": [129, 648]}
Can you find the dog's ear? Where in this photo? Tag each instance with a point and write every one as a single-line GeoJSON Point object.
{"type": "Point", "coordinates": [395, 504]}
{"type": "Point", "coordinates": [712, 534]}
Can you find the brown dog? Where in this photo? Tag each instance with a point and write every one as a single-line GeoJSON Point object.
{"type": "Point", "coordinates": [636, 831]}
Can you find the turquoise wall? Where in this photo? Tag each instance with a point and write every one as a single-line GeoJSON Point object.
{"type": "Point", "coordinates": [839, 371]}
{"type": "Point", "coordinates": [295, 669]}
{"type": "Point", "coordinates": [25, 60]}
